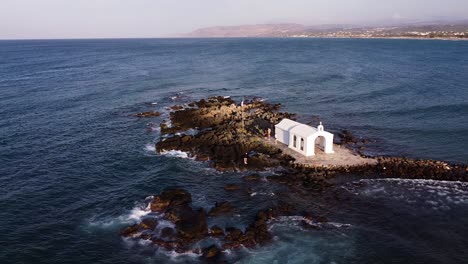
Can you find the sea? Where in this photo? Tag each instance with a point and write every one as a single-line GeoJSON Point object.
{"type": "Point", "coordinates": [76, 166]}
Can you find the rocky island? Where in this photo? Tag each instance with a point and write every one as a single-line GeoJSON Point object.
{"type": "Point", "coordinates": [220, 131]}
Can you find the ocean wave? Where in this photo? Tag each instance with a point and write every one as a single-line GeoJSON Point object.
{"type": "Point", "coordinates": [428, 194]}
{"type": "Point", "coordinates": [135, 215]}
{"type": "Point", "coordinates": [179, 257]}
{"type": "Point", "coordinates": [262, 193]}
{"type": "Point", "coordinates": [150, 147]}
{"type": "Point", "coordinates": [300, 221]}
{"type": "Point", "coordinates": [177, 154]}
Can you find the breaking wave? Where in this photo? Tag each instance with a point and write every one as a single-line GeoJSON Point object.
{"type": "Point", "coordinates": [150, 147]}
{"type": "Point", "coordinates": [176, 153]}
{"type": "Point", "coordinates": [428, 194]}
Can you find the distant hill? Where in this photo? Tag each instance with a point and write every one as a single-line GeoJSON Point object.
{"type": "Point", "coordinates": [264, 30]}
{"type": "Point", "coordinates": [416, 30]}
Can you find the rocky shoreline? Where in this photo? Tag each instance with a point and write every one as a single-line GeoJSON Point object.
{"type": "Point", "coordinates": [221, 132]}
{"type": "Point", "coordinates": [190, 226]}
{"type": "Point", "coordinates": [226, 130]}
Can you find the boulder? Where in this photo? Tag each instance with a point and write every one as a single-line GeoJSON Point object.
{"type": "Point", "coordinates": [211, 252]}
{"type": "Point", "coordinates": [192, 225]}
{"type": "Point", "coordinates": [176, 107]}
{"type": "Point", "coordinates": [231, 187]}
{"type": "Point", "coordinates": [252, 177]}
{"type": "Point", "coordinates": [216, 231]}
{"type": "Point", "coordinates": [167, 233]}
{"type": "Point", "coordinates": [233, 234]}
{"type": "Point", "coordinates": [148, 114]}
{"type": "Point", "coordinates": [346, 137]}
{"type": "Point", "coordinates": [149, 223]}
{"type": "Point", "coordinates": [170, 197]}
{"type": "Point", "coordinates": [129, 231]}
{"type": "Point", "coordinates": [223, 208]}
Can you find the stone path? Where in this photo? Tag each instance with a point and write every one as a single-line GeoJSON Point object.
{"type": "Point", "coordinates": [341, 158]}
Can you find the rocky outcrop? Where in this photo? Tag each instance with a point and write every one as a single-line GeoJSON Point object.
{"type": "Point", "coordinates": [173, 198]}
{"type": "Point", "coordinates": [223, 208]}
{"type": "Point", "coordinates": [231, 187]}
{"type": "Point", "coordinates": [148, 114]}
{"type": "Point", "coordinates": [421, 169]}
{"type": "Point", "coordinates": [190, 226]}
{"type": "Point", "coordinates": [212, 253]}
{"type": "Point", "coordinates": [226, 132]}
{"type": "Point", "coordinates": [216, 231]}
{"type": "Point", "coordinates": [136, 229]}
{"type": "Point", "coordinates": [346, 137]}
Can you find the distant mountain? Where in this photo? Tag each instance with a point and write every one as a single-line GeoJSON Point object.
{"type": "Point", "coordinates": [415, 30]}
{"type": "Point", "coordinates": [264, 30]}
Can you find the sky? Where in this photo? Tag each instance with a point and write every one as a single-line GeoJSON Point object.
{"type": "Point", "coordinates": [44, 19]}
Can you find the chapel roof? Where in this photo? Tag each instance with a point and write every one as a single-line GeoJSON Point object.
{"type": "Point", "coordinates": [287, 124]}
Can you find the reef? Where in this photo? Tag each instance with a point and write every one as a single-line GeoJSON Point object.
{"type": "Point", "coordinates": [226, 130]}
{"type": "Point", "coordinates": [148, 114]}
{"type": "Point", "coordinates": [221, 132]}
{"type": "Point", "coordinates": [189, 226]}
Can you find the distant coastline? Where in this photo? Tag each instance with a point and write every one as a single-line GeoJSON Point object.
{"type": "Point", "coordinates": [394, 38]}
{"type": "Point", "coordinates": [433, 31]}
{"type": "Point", "coordinates": [320, 37]}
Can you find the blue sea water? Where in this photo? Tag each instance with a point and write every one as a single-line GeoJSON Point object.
{"type": "Point", "coordinates": [76, 166]}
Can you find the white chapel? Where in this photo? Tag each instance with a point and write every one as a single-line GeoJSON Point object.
{"type": "Point", "coordinates": [303, 138]}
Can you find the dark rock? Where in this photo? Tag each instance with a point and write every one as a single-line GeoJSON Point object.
{"type": "Point", "coordinates": [176, 213]}
{"type": "Point", "coordinates": [313, 217]}
{"type": "Point", "coordinates": [171, 143]}
{"type": "Point", "coordinates": [169, 245]}
{"type": "Point", "coordinates": [148, 114]}
{"type": "Point", "coordinates": [176, 107]}
{"type": "Point", "coordinates": [231, 187]}
{"type": "Point", "coordinates": [185, 139]}
{"type": "Point", "coordinates": [223, 208]}
{"type": "Point", "coordinates": [223, 137]}
{"type": "Point", "coordinates": [192, 225]}
{"type": "Point", "coordinates": [146, 236]}
{"type": "Point", "coordinates": [202, 157]}
{"type": "Point", "coordinates": [149, 223]}
{"type": "Point", "coordinates": [211, 252]}
{"type": "Point", "coordinates": [346, 137]}
{"type": "Point", "coordinates": [130, 230]}
{"type": "Point", "coordinates": [170, 197]}
{"type": "Point", "coordinates": [252, 177]}
{"type": "Point", "coordinates": [167, 232]}
{"type": "Point", "coordinates": [233, 233]}
{"type": "Point", "coordinates": [216, 231]}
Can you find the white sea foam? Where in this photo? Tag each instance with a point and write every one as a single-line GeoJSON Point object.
{"type": "Point", "coordinates": [176, 153]}
{"type": "Point", "coordinates": [150, 147]}
{"type": "Point", "coordinates": [429, 194]}
{"type": "Point", "coordinates": [175, 256]}
{"type": "Point", "coordinates": [262, 193]}
{"type": "Point", "coordinates": [133, 216]}
{"type": "Point", "coordinates": [337, 225]}
{"type": "Point", "coordinates": [297, 221]}
{"type": "Point", "coordinates": [162, 223]}
{"type": "Point", "coordinates": [101, 223]}
{"type": "Point", "coordinates": [136, 214]}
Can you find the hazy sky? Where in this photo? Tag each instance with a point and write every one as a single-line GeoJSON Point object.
{"type": "Point", "coordinates": [159, 18]}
